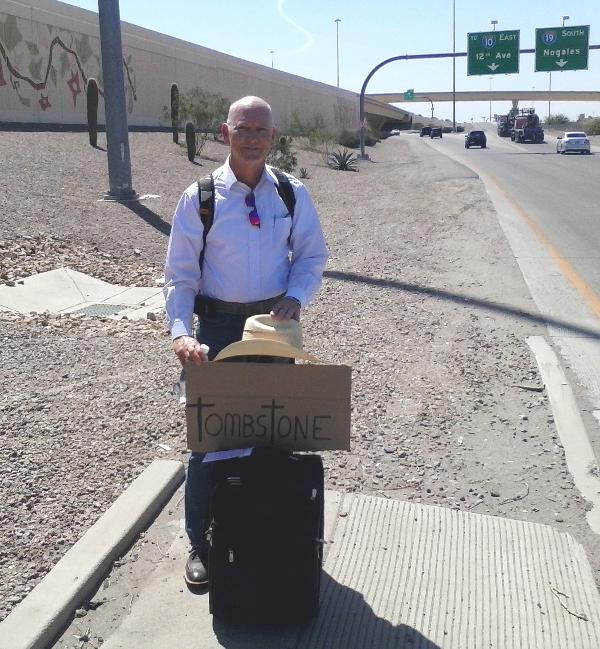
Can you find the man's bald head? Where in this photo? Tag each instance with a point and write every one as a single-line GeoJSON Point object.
{"type": "Point", "coordinates": [249, 103]}
{"type": "Point", "coordinates": [249, 132]}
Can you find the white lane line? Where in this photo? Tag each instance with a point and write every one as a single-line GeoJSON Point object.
{"type": "Point", "coordinates": [581, 461]}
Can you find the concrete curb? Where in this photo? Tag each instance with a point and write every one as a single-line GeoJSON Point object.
{"type": "Point", "coordinates": [579, 452]}
{"type": "Point", "coordinates": [37, 620]}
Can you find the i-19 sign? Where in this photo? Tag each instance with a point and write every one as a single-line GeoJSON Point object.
{"type": "Point", "coordinates": [562, 48]}
{"type": "Point", "coordinates": [493, 52]}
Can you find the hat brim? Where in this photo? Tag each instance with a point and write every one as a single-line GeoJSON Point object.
{"type": "Point", "coordinates": [264, 347]}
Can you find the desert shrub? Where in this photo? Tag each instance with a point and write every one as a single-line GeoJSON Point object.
{"type": "Point", "coordinates": [325, 148]}
{"type": "Point", "coordinates": [371, 139]}
{"type": "Point", "coordinates": [593, 127]}
{"type": "Point", "coordinates": [282, 154]}
{"type": "Point", "coordinates": [296, 127]}
{"type": "Point", "coordinates": [349, 139]}
{"type": "Point", "coordinates": [304, 172]}
{"type": "Point", "coordinates": [556, 120]}
{"type": "Point", "coordinates": [207, 111]}
{"type": "Point", "coordinates": [314, 130]}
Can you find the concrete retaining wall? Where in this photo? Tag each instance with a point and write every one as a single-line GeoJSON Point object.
{"type": "Point", "coordinates": [48, 51]}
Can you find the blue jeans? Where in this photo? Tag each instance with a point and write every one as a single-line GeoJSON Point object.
{"type": "Point", "coordinates": [217, 332]}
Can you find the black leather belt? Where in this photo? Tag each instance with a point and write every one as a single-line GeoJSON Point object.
{"type": "Point", "coordinates": [207, 306]}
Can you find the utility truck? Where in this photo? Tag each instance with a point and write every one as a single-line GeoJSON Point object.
{"type": "Point", "coordinates": [526, 127]}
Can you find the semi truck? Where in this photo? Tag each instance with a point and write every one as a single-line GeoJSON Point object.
{"type": "Point", "coordinates": [504, 126]}
{"type": "Point", "coordinates": [526, 127]}
{"type": "Point", "coordinates": [521, 126]}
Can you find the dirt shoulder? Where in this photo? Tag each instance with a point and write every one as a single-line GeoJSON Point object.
{"type": "Point", "coordinates": [421, 297]}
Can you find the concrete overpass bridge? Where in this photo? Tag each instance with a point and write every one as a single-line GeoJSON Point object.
{"type": "Point", "coordinates": [487, 95]}
{"type": "Point", "coordinates": [379, 118]}
{"type": "Point", "coordinates": [381, 115]}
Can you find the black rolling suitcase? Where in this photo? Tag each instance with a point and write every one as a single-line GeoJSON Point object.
{"type": "Point", "coordinates": [265, 545]}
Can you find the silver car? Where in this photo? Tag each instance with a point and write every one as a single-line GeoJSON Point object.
{"type": "Point", "coordinates": [573, 141]}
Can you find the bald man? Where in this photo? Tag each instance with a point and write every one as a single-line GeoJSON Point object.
{"type": "Point", "coordinates": [258, 258]}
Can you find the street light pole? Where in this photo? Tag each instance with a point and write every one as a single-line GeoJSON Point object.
{"type": "Point", "coordinates": [337, 22]}
{"type": "Point", "coordinates": [490, 78]}
{"type": "Point", "coordinates": [271, 52]}
{"type": "Point", "coordinates": [453, 66]}
{"type": "Point", "coordinates": [431, 101]}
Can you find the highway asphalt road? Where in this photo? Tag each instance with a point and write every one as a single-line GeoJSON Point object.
{"type": "Point", "coordinates": [549, 207]}
{"type": "Point", "coordinates": [560, 192]}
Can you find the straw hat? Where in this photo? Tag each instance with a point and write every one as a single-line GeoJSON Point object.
{"type": "Point", "coordinates": [264, 336]}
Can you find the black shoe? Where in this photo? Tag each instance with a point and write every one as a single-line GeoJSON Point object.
{"type": "Point", "coordinates": [195, 569]}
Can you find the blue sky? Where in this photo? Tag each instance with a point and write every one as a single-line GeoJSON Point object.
{"type": "Point", "coordinates": [302, 34]}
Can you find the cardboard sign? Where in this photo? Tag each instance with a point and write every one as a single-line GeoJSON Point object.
{"type": "Point", "coordinates": [241, 405]}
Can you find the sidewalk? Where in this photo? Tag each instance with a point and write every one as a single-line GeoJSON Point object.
{"type": "Point", "coordinates": [396, 574]}
{"type": "Point", "coordinates": [65, 290]}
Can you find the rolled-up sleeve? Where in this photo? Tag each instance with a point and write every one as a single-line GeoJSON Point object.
{"type": "Point", "coordinates": [309, 250]}
{"type": "Point", "coordinates": [182, 269]}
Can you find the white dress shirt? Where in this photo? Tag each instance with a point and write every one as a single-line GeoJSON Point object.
{"type": "Point", "coordinates": [242, 262]}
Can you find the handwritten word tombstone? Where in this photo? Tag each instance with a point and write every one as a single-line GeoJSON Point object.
{"type": "Point", "coordinates": [293, 407]}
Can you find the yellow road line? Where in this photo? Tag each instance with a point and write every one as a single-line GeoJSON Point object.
{"type": "Point", "coordinates": [579, 284]}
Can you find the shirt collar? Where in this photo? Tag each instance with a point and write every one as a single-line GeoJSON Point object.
{"type": "Point", "coordinates": [229, 178]}
{"type": "Point", "coordinates": [270, 175]}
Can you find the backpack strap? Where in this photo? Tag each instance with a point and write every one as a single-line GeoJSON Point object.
{"type": "Point", "coordinates": [285, 191]}
{"type": "Point", "coordinates": [206, 198]}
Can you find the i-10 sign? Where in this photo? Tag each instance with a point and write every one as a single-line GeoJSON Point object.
{"type": "Point", "coordinates": [493, 52]}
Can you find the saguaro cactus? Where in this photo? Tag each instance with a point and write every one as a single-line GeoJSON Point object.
{"type": "Point", "coordinates": [92, 110]}
{"type": "Point", "coordinates": [175, 112]}
{"type": "Point", "coordinates": [190, 140]}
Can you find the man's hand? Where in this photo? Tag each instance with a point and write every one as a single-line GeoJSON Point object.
{"type": "Point", "coordinates": [187, 348]}
{"type": "Point", "coordinates": [286, 309]}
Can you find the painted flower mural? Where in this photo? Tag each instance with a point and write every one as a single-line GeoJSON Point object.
{"type": "Point", "coordinates": [53, 62]}
{"type": "Point", "coordinates": [44, 103]}
{"type": "Point", "coordinates": [74, 86]}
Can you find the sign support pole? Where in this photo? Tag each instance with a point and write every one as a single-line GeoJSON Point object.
{"type": "Point", "coordinates": [117, 136]}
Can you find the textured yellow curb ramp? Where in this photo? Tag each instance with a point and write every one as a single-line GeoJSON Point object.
{"type": "Point", "coordinates": [406, 575]}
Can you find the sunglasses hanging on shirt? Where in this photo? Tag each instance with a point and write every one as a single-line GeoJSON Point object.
{"type": "Point", "coordinates": [253, 216]}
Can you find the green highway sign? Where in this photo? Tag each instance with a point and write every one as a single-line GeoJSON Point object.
{"type": "Point", "coordinates": [562, 48]}
{"type": "Point", "coordinates": [493, 52]}
{"type": "Point", "coordinates": [409, 94]}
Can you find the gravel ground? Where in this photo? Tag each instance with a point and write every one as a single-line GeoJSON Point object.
{"type": "Point", "coordinates": [448, 406]}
